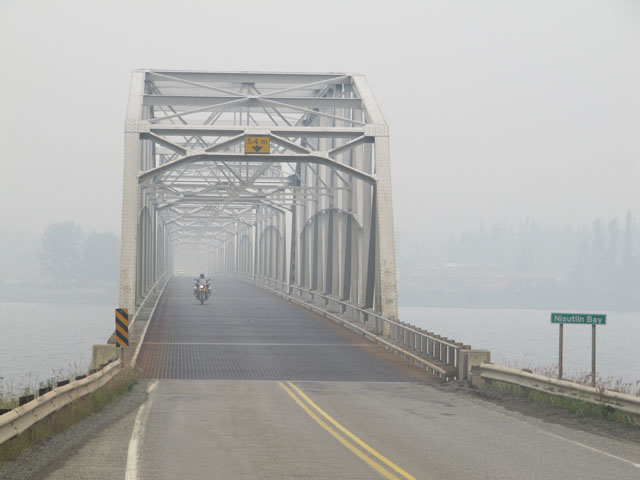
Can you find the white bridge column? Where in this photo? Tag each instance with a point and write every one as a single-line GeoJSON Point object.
{"type": "Point", "coordinates": [130, 195]}
{"type": "Point", "coordinates": [385, 235]}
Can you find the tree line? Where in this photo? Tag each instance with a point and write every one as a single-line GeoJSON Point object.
{"type": "Point", "coordinates": [601, 255]}
{"type": "Point", "coordinates": [596, 263]}
{"type": "Point", "coordinates": [69, 255]}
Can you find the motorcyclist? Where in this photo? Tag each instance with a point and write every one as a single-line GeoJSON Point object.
{"type": "Point", "coordinates": [203, 281]}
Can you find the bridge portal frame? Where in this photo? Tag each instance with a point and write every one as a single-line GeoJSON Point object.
{"type": "Point", "coordinates": [316, 211]}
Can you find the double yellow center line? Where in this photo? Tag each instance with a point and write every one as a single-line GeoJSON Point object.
{"type": "Point", "coordinates": [360, 449]}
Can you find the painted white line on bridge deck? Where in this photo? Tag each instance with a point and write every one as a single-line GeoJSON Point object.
{"type": "Point", "coordinates": [131, 472]}
{"type": "Point", "coordinates": [268, 344]}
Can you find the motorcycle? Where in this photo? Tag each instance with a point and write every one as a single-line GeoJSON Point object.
{"type": "Point", "coordinates": [202, 290]}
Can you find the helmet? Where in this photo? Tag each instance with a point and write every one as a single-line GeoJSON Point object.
{"type": "Point", "coordinates": [202, 275]}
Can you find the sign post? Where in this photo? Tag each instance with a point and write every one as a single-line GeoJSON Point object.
{"type": "Point", "coordinates": [593, 355]}
{"type": "Point", "coordinates": [560, 348]}
{"type": "Point", "coordinates": [580, 319]}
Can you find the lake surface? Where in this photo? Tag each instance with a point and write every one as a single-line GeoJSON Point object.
{"type": "Point", "coordinates": [525, 338]}
{"type": "Point", "coordinates": [45, 340]}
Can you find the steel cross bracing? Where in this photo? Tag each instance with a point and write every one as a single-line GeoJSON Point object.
{"type": "Point", "coordinates": [315, 211]}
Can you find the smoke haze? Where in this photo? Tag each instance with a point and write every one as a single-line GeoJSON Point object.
{"type": "Point", "coordinates": [498, 110]}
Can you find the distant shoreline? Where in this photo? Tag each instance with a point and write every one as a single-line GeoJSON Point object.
{"type": "Point", "coordinates": [549, 308]}
{"type": "Point", "coordinates": [535, 297]}
{"type": "Point", "coordinates": [407, 298]}
{"type": "Point", "coordinates": [29, 293]}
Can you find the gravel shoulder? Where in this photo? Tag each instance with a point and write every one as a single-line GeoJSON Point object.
{"type": "Point", "coordinates": [525, 407]}
{"type": "Point", "coordinates": [44, 457]}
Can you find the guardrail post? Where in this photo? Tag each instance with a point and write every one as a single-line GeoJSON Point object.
{"type": "Point", "coordinates": [103, 354]}
{"type": "Point", "coordinates": [471, 358]}
{"type": "Point", "coordinates": [451, 353]}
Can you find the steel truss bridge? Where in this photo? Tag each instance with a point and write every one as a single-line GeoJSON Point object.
{"type": "Point", "coordinates": [283, 182]}
{"type": "Point", "coordinates": [311, 212]}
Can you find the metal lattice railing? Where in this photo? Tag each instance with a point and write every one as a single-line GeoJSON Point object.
{"type": "Point", "coordinates": [441, 356]}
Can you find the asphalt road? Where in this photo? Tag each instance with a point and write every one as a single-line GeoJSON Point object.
{"type": "Point", "coordinates": [299, 397]}
{"type": "Point", "coordinates": [225, 429]}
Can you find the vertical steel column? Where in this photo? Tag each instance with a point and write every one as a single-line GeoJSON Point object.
{"type": "Point", "coordinates": [314, 253]}
{"type": "Point", "coordinates": [303, 257]}
{"type": "Point", "coordinates": [129, 233]}
{"type": "Point", "coordinates": [371, 254]}
{"type": "Point", "coordinates": [154, 245]}
{"type": "Point", "coordinates": [293, 246]}
{"type": "Point", "coordinates": [348, 242]}
{"type": "Point", "coordinates": [236, 248]}
{"type": "Point", "coordinates": [368, 241]}
{"type": "Point", "coordinates": [328, 284]}
{"type": "Point", "coordinates": [305, 263]}
{"type": "Point", "coordinates": [386, 257]}
{"type": "Point", "coordinates": [294, 274]}
{"type": "Point", "coordinates": [256, 243]}
{"type": "Point", "coordinates": [284, 221]}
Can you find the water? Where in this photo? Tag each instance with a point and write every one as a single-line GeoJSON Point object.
{"type": "Point", "coordinates": [44, 340]}
{"type": "Point", "coordinates": [524, 338]}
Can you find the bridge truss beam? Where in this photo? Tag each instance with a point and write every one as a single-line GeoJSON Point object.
{"type": "Point", "coordinates": [314, 212]}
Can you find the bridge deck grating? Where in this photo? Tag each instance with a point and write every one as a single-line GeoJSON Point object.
{"type": "Point", "coordinates": [246, 334]}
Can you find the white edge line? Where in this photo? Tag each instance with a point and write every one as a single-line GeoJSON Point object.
{"type": "Point", "coordinates": [588, 447]}
{"type": "Point", "coordinates": [131, 472]}
{"type": "Point", "coordinates": [561, 437]}
{"type": "Point", "coordinates": [144, 332]}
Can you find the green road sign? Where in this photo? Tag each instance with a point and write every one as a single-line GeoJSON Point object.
{"type": "Point", "coordinates": [579, 318]}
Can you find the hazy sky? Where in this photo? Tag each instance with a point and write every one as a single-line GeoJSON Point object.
{"type": "Point", "coordinates": [497, 109]}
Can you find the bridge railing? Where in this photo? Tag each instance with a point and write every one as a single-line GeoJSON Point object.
{"type": "Point", "coordinates": [15, 421]}
{"type": "Point", "coordinates": [487, 372]}
{"type": "Point", "coordinates": [145, 308]}
{"type": "Point", "coordinates": [18, 420]}
{"type": "Point", "coordinates": [150, 298]}
{"type": "Point", "coordinates": [440, 355]}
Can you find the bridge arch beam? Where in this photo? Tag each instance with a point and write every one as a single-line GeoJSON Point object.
{"type": "Point", "coordinates": [314, 210]}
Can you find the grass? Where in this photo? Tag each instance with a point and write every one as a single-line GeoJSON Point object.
{"type": "Point", "coordinates": [68, 415]}
{"type": "Point", "coordinates": [10, 392]}
{"type": "Point", "coordinates": [571, 405]}
{"type": "Point", "coordinates": [602, 383]}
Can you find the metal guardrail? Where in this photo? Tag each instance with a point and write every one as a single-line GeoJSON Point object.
{"type": "Point", "coordinates": [441, 356]}
{"type": "Point", "coordinates": [18, 420]}
{"type": "Point", "coordinates": [563, 388]}
{"type": "Point", "coordinates": [21, 418]}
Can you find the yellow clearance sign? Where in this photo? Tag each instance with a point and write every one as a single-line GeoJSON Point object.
{"type": "Point", "coordinates": [257, 144]}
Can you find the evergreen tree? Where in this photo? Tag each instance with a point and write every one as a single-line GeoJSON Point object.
{"type": "Point", "coordinates": [580, 273]}
{"type": "Point", "coordinates": [611, 266]}
{"type": "Point", "coordinates": [100, 252]}
{"type": "Point", "coordinates": [597, 255]}
{"type": "Point", "coordinates": [629, 264]}
{"type": "Point", "coordinates": [60, 250]}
